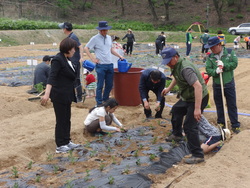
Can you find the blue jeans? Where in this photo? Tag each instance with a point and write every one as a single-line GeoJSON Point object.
{"type": "Point", "coordinates": [230, 95]}
{"type": "Point", "coordinates": [188, 48]}
{"type": "Point", "coordinates": [105, 73]}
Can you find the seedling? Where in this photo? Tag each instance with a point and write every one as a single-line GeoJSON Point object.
{"type": "Point", "coordinates": [93, 153]}
{"type": "Point", "coordinates": [152, 157]}
{"type": "Point", "coordinates": [39, 87]}
{"type": "Point", "coordinates": [102, 166]}
{"type": "Point", "coordinates": [109, 149]}
{"type": "Point", "coordinates": [50, 156]}
{"type": "Point", "coordinates": [86, 178]}
{"type": "Point", "coordinates": [56, 168]}
{"type": "Point", "coordinates": [138, 162]}
{"type": "Point", "coordinates": [71, 158]}
{"type": "Point", "coordinates": [140, 147]}
{"type": "Point", "coordinates": [69, 184]}
{"type": "Point", "coordinates": [100, 139]}
{"type": "Point", "coordinates": [160, 148]}
{"type": "Point", "coordinates": [111, 180]}
{"type": "Point", "coordinates": [154, 140]}
{"type": "Point", "coordinates": [38, 178]}
{"type": "Point", "coordinates": [113, 159]}
{"type": "Point", "coordinates": [15, 185]}
{"type": "Point", "coordinates": [174, 143]}
{"type": "Point", "coordinates": [136, 153]}
{"type": "Point", "coordinates": [126, 171]}
{"type": "Point", "coordinates": [14, 172]}
{"type": "Point", "coordinates": [129, 137]}
{"type": "Point", "coordinates": [29, 166]}
{"type": "Point", "coordinates": [87, 145]}
{"type": "Point", "coordinates": [152, 127]}
{"type": "Point", "coordinates": [109, 135]}
{"type": "Point", "coordinates": [92, 186]}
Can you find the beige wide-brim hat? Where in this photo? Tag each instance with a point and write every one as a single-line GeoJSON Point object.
{"type": "Point", "coordinates": [225, 133]}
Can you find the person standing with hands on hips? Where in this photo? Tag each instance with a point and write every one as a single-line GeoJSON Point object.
{"type": "Point", "coordinates": [60, 88]}
{"type": "Point", "coordinates": [102, 45]}
{"type": "Point", "coordinates": [194, 98]}
{"type": "Point", "coordinates": [223, 61]}
{"type": "Point", "coordinates": [130, 42]}
{"type": "Point", "coordinates": [76, 58]}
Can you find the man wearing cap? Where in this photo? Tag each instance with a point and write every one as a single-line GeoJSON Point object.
{"type": "Point", "coordinates": [223, 61]}
{"type": "Point", "coordinates": [193, 100]}
{"type": "Point", "coordinates": [77, 57]}
{"type": "Point", "coordinates": [102, 45]}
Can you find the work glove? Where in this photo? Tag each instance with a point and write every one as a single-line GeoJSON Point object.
{"type": "Point", "coordinates": [220, 63]}
{"type": "Point", "coordinates": [189, 42]}
{"type": "Point", "coordinates": [134, 42]}
{"type": "Point", "coordinates": [219, 70]}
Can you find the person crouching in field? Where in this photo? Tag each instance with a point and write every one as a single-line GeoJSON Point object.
{"type": "Point", "coordinates": [99, 118]}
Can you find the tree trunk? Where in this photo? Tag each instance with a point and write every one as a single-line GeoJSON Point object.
{"type": "Point", "coordinates": [123, 9]}
{"type": "Point", "coordinates": [152, 7]}
{"type": "Point", "coordinates": [218, 4]}
{"type": "Point", "coordinates": [239, 2]}
{"type": "Point", "coordinates": [166, 5]}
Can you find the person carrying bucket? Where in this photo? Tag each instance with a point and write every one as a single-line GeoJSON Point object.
{"type": "Point", "coordinates": [152, 80]}
{"type": "Point", "coordinates": [222, 62]}
{"type": "Point", "coordinates": [102, 45]}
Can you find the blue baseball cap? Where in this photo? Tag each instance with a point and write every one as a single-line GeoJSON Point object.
{"type": "Point", "coordinates": [212, 41]}
{"type": "Point", "coordinates": [167, 54]}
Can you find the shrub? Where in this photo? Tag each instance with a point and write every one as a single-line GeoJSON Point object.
{"type": "Point", "coordinates": [239, 16]}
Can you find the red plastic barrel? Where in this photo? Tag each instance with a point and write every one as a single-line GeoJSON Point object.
{"type": "Point", "coordinates": [126, 87]}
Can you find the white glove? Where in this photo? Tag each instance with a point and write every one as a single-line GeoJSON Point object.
{"type": "Point", "coordinates": [219, 70]}
{"type": "Point", "coordinates": [134, 42]}
{"type": "Point", "coordinates": [220, 63]}
{"type": "Point", "coordinates": [189, 42]}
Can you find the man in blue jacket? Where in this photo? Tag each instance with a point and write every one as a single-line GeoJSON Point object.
{"type": "Point", "coordinates": [154, 80]}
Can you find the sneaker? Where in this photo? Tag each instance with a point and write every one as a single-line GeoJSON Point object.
{"type": "Point", "coordinates": [193, 160]}
{"type": "Point", "coordinates": [72, 145]}
{"type": "Point", "coordinates": [222, 125]}
{"type": "Point", "coordinates": [63, 149]}
{"type": "Point", "coordinates": [173, 137]}
{"type": "Point", "coordinates": [236, 130]}
{"type": "Point", "coordinates": [79, 100]}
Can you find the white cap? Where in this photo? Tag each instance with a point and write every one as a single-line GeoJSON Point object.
{"type": "Point", "coordinates": [85, 71]}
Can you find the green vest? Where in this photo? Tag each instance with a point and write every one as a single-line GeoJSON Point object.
{"type": "Point", "coordinates": [187, 91]}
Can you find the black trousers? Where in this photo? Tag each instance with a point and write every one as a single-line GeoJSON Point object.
{"type": "Point", "coordinates": [129, 47]}
{"type": "Point", "coordinates": [158, 46]}
{"type": "Point", "coordinates": [181, 109]}
{"type": "Point", "coordinates": [63, 124]}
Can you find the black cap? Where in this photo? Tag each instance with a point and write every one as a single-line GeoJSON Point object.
{"type": "Point", "coordinates": [65, 25]}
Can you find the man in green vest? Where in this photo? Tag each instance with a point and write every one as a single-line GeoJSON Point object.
{"type": "Point", "coordinates": [193, 99]}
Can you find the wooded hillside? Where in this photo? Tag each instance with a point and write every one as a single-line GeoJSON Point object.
{"type": "Point", "coordinates": [212, 13]}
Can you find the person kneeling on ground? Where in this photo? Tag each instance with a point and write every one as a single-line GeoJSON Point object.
{"type": "Point", "coordinates": [100, 117]}
{"type": "Point", "coordinates": [214, 135]}
{"type": "Point", "coordinates": [154, 80]}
